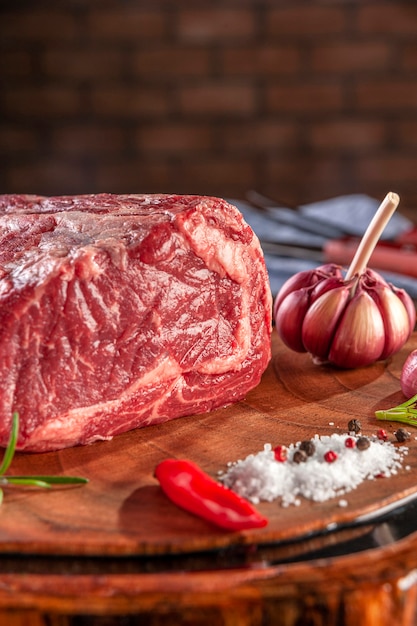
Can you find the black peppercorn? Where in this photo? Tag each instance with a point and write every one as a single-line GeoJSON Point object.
{"type": "Point", "coordinates": [308, 447]}
{"type": "Point", "coordinates": [402, 435]}
{"type": "Point", "coordinates": [354, 426]}
{"type": "Point", "coordinates": [362, 443]}
{"type": "Point", "coordinates": [299, 456]}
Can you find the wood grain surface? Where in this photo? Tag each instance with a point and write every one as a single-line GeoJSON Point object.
{"type": "Point", "coordinates": [122, 510]}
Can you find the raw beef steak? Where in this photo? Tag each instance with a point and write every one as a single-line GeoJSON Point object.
{"type": "Point", "coordinates": [121, 311]}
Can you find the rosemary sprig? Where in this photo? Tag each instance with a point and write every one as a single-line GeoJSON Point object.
{"type": "Point", "coordinates": [11, 446]}
{"type": "Point", "coordinates": [405, 412]}
{"type": "Point", "coordinates": [45, 482]}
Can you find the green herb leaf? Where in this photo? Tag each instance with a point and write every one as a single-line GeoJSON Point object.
{"type": "Point", "coordinates": [24, 481]}
{"type": "Point", "coordinates": [45, 482]}
{"type": "Point", "coordinates": [405, 412]}
{"type": "Point", "coordinates": [11, 446]}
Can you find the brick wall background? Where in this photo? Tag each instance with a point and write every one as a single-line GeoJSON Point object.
{"type": "Point", "coordinates": [298, 99]}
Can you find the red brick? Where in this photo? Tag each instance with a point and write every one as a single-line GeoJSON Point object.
{"type": "Point", "coordinates": [395, 18]}
{"type": "Point", "coordinates": [38, 25]}
{"type": "Point", "coordinates": [18, 140]}
{"type": "Point", "coordinates": [87, 140]}
{"type": "Point", "coordinates": [260, 60]}
{"type": "Point", "coordinates": [347, 135]}
{"type": "Point", "coordinates": [391, 169]}
{"type": "Point", "coordinates": [174, 138]}
{"type": "Point", "coordinates": [406, 190]}
{"type": "Point", "coordinates": [258, 136]}
{"type": "Point", "coordinates": [307, 21]}
{"type": "Point", "coordinates": [214, 24]}
{"type": "Point", "coordinates": [307, 178]}
{"type": "Point", "coordinates": [406, 133]}
{"type": "Point", "coordinates": [386, 95]}
{"type": "Point", "coordinates": [81, 64]}
{"type": "Point", "coordinates": [408, 205]}
{"type": "Point", "coordinates": [135, 176]}
{"type": "Point", "coordinates": [160, 62]}
{"type": "Point", "coordinates": [217, 175]}
{"type": "Point", "coordinates": [219, 99]}
{"type": "Point", "coordinates": [408, 57]}
{"type": "Point", "coordinates": [129, 102]}
{"type": "Point", "coordinates": [45, 101]}
{"type": "Point", "coordinates": [123, 24]}
{"type": "Point", "coordinates": [303, 169]}
{"type": "Point", "coordinates": [303, 97]}
{"type": "Point", "coordinates": [222, 97]}
{"type": "Point", "coordinates": [47, 178]}
{"type": "Point", "coordinates": [350, 56]}
{"type": "Point", "coordinates": [16, 63]}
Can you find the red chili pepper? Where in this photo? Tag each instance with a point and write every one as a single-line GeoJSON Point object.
{"type": "Point", "coordinates": [190, 488]}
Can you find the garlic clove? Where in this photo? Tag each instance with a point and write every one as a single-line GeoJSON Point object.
{"type": "Point", "coordinates": [321, 320]}
{"type": "Point", "coordinates": [360, 336]}
{"type": "Point", "coordinates": [329, 269]}
{"type": "Point", "coordinates": [409, 306]}
{"type": "Point", "coordinates": [304, 279]}
{"type": "Point", "coordinates": [332, 282]}
{"type": "Point", "coordinates": [296, 282]}
{"type": "Point", "coordinates": [373, 278]}
{"type": "Point", "coordinates": [395, 318]}
{"type": "Point", "coordinates": [289, 318]}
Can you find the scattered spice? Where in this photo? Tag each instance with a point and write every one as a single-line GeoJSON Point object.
{"type": "Point", "coordinates": [259, 477]}
{"type": "Point", "coordinates": [280, 453]}
{"type": "Point", "coordinates": [330, 456]}
{"type": "Point", "coordinates": [308, 447]}
{"type": "Point", "coordinates": [382, 434]}
{"type": "Point", "coordinates": [354, 426]}
{"type": "Point", "coordinates": [402, 435]}
{"type": "Point", "coordinates": [362, 443]}
{"type": "Point", "coordinates": [299, 456]}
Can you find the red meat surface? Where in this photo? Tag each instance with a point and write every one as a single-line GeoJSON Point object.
{"type": "Point", "coordinates": [122, 311]}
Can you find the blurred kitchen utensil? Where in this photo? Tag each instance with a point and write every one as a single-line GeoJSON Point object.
{"type": "Point", "coordinates": [329, 231]}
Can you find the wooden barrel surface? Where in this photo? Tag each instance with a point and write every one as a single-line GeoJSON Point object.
{"type": "Point", "coordinates": [118, 546]}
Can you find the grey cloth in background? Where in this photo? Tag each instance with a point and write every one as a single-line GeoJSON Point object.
{"type": "Point", "coordinates": [337, 217]}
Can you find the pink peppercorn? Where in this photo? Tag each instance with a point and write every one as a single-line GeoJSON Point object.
{"type": "Point", "coordinates": [280, 453]}
{"type": "Point", "coordinates": [382, 434]}
{"type": "Point", "coordinates": [350, 442]}
{"type": "Point", "coordinates": [330, 456]}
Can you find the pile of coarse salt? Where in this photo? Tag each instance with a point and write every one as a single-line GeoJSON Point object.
{"type": "Point", "coordinates": [261, 477]}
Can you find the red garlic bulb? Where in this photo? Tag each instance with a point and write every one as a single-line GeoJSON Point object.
{"type": "Point", "coordinates": [349, 321]}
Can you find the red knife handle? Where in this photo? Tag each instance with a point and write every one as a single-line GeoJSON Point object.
{"type": "Point", "coordinates": [384, 257]}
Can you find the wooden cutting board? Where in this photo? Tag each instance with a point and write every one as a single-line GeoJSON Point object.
{"type": "Point", "coordinates": [122, 510]}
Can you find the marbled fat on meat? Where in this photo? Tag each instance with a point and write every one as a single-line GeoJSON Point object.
{"type": "Point", "coordinates": [122, 311]}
